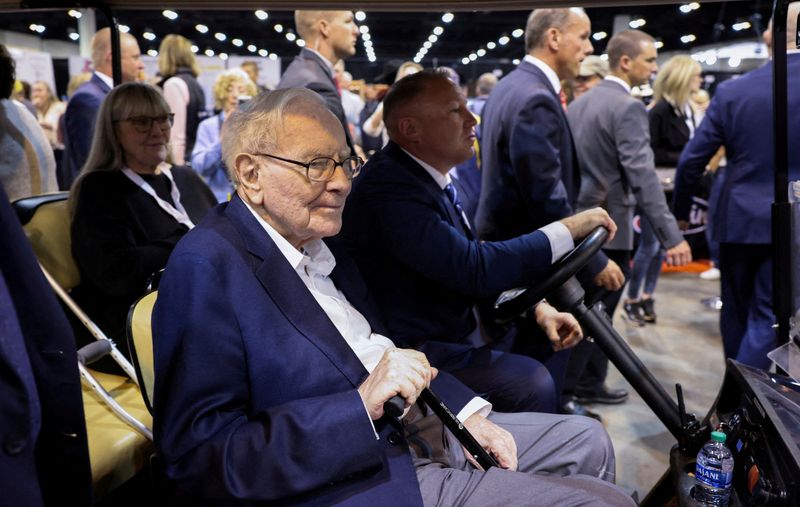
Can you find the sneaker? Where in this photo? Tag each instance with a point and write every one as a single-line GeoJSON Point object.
{"type": "Point", "coordinates": [634, 313]}
{"type": "Point", "coordinates": [710, 274]}
{"type": "Point", "coordinates": [649, 310]}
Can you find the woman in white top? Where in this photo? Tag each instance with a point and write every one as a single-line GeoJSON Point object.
{"type": "Point", "coordinates": [48, 111]}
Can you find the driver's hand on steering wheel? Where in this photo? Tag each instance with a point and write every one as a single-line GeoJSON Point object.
{"type": "Point", "coordinates": [562, 329]}
{"type": "Point", "coordinates": [680, 254]}
{"type": "Point", "coordinates": [611, 278]}
{"type": "Point", "coordinates": [581, 224]}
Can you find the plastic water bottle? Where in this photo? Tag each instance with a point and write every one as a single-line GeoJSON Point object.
{"type": "Point", "coordinates": [714, 472]}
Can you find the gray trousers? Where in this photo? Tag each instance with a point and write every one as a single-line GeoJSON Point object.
{"type": "Point", "coordinates": [563, 460]}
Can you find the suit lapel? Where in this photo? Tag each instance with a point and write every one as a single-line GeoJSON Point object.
{"type": "Point", "coordinates": [310, 55]}
{"type": "Point", "coordinates": [291, 295]}
{"type": "Point", "coordinates": [446, 208]}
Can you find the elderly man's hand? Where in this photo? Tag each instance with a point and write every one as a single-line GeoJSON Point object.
{"type": "Point", "coordinates": [581, 224]}
{"type": "Point", "coordinates": [680, 254]}
{"type": "Point", "coordinates": [611, 278]}
{"type": "Point", "coordinates": [400, 371]}
{"type": "Point", "coordinates": [497, 441]}
{"type": "Point", "coordinates": [562, 329]}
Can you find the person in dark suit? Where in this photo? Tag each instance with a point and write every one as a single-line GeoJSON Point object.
{"type": "Point", "coordinates": [530, 170]}
{"type": "Point", "coordinates": [617, 172]}
{"type": "Point", "coordinates": [740, 119]}
{"type": "Point", "coordinates": [271, 372]}
{"type": "Point", "coordinates": [79, 118]}
{"type": "Point", "coordinates": [129, 207]}
{"type": "Point", "coordinates": [44, 458]}
{"type": "Point", "coordinates": [420, 257]}
{"type": "Point", "coordinates": [330, 36]}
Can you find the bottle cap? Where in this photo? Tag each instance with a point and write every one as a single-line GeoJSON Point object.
{"type": "Point", "coordinates": [718, 436]}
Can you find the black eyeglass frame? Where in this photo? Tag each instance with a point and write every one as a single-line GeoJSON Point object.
{"type": "Point", "coordinates": [307, 166]}
{"type": "Point", "coordinates": [170, 119]}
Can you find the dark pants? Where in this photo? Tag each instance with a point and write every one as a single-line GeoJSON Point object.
{"type": "Point", "coordinates": [588, 365]}
{"type": "Point", "coordinates": [746, 318]}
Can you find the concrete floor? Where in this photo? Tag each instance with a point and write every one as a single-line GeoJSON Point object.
{"type": "Point", "coordinates": [684, 346]}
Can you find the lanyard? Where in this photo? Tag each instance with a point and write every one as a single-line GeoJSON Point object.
{"type": "Point", "coordinates": [177, 212]}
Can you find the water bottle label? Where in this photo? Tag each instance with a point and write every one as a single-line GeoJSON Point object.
{"type": "Point", "coordinates": [713, 478]}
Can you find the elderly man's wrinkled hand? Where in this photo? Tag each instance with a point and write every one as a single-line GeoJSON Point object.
{"type": "Point", "coordinates": [497, 441]}
{"type": "Point", "coordinates": [581, 224]}
{"type": "Point", "coordinates": [403, 372]}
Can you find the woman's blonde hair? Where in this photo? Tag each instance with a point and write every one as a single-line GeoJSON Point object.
{"type": "Point", "coordinates": [225, 80]}
{"type": "Point", "coordinates": [124, 101]}
{"type": "Point", "coordinates": [674, 80]}
{"type": "Point", "coordinates": [176, 52]}
{"type": "Point", "coordinates": [51, 98]}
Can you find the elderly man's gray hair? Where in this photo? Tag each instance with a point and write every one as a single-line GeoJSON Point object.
{"type": "Point", "coordinates": [255, 126]}
{"type": "Point", "coordinates": [542, 20]}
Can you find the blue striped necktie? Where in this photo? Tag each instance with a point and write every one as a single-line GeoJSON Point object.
{"type": "Point", "coordinates": [452, 194]}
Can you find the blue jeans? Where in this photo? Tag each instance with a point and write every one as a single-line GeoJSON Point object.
{"type": "Point", "coordinates": [647, 261]}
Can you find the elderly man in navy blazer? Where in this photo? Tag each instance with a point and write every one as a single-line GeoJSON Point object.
{"type": "Point", "coordinates": [406, 229]}
{"type": "Point", "coordinates": [330, 36]}
{"type": "Point", "coordinates": [740, 119]}
{"type": "Point", "coordinates": [82, 107]}
{"type": "Point", "coordinates": [271, 372]}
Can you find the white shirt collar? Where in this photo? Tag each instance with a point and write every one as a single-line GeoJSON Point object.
{"type": "Point", "coordinates": [548, 72]}
{"type": "Point", "coordinates": [441, 179]}
{"type": "Point", "coordinates": [316, 255]}
{"type": "Point", "coordinates": [620, 82]}
{"type": "Point", "coordinates": [327, 62]}
{"type": "Point", "coordinates": [106, 79]}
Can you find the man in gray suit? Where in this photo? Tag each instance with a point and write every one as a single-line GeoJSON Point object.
{"type": "Point", "coordinates": [612, 140]}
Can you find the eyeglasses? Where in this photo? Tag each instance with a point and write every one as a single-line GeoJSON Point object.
{"type": "Point", "coordinates": [322, 168]}
{"type": "Point", "coordinates": [143, 124]}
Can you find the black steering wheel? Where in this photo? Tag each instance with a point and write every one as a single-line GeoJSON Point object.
{"type": "Point", "coordinates": [511, 304]}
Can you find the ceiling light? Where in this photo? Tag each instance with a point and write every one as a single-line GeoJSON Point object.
{"type": "Point", "coordinates": [195, 49]}
{"type": "Point", "coordinates": [152, 52]}
{"type": "Point", "coordinates": [438, 30]}
{"type": "Point", "coordinates": [744, 25]}
{"type": "Point", "coordinates": [262, 15]}
{"type": "Point", "coordinates": [473, 57]}
{"type": "Point", "coordinates": [685, 8]}
{"type": "Point", "coordinates": [220, 36]}
{"type": "Point", "coordinates": [481, 52]}
{"type": "Point", "coordinates": [273, 56]}
{"type": "Point", "coordinates": [237, 42]}
{"type": "Point", "coordinates": [599, 35]}
{"type": "Point", "coordinates": [637, 23]}
{"type": "Point", "coordinates": [209, 52]}
{"type": "Point", "coordinates": [503, 40]}
{"type": "Point", "coordinates": [366, 37]}
{"type": "Point", "coordinates": [74, 36]}
{"type": "Point", "coordinates": [169, 14]}
{"type": "Point", "coordinates": [290, 36]}
{"type": "Point", "coordinates": [251, 48]}
{"type": "Point", "coordinates": [734, 62]}
{"type": "Point", "coordinates": [36, 28]}
{"type": "Point", "coordinates": [124, 28]}
{"type": "Point", "coordinates": [519, 32]}
{"type": "Point", "coordinates": [694, 6]}
{"type": "Point", "coordinates": [75, 14]}
{"type": "Point", "coordinates": [278, 28]}
{"type": "Point", "coordinates": [659, 44]}
{"type": "Point", "coordinates": [427, 44]}
{"type": "Point", "coordinates": [367, 44]}
{"type": "Point", "coordinates": [363, 29]}
{"type": "Point", "coordinates": [447, 17]}
{"type": "Point", "coordinates": [201, 28]}
{"type": "Point", "coordinates": [712, 59]}
{"type": "Point", "coordinates": [433, 38]}
{"type": "Point", "coordinates": [688, 38]}
{"type": "Point", "coordinates": [301, 43]}
{"type": "Point", "coordinates": [263, 52]}
{"type": "Point", "coordinates": [515, 61]}
{"type": "Point", "coordinates": [361, 16]}
{"type": "Point", "coordinates": [491, 45]}
{"type": "Point", "coordinates": [224, 56]}
{"type": "Point", "coordinates": [149, 35]}
{"type": "Point", "coordinates": [465, 60]}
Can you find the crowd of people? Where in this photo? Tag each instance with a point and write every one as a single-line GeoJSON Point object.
{"type": "Point", "coordinates": [324, 253]}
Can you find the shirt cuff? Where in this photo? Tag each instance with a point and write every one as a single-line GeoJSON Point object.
{"type": "Point", "coordinates": [560, 239]}
{"type": "Point", "coordinates": [475, 406]}
{"type": "Point", "coordinates": [377, 437]}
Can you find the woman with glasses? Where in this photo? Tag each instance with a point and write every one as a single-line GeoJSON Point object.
{"type": "Point", "coordinates": [129, 207]}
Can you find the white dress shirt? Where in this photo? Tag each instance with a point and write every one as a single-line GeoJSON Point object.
{"type": "Point", "coordinates": [314, 265]}
{"type": "Point", "coordinates": [557, 233]}
{"type": "Point", "coordinates": [548, 72]}
{"type": "Point", "coordinates": [106, 79]}
{"type": "Point", "coordinates": [620, 82]}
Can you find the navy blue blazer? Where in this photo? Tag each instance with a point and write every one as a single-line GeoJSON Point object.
{"type": "Point", "coordinates": [308, 70]}
{"type": "Point", "coordinates": [79, 120]}
{"type": "Point", "coordinates": [530, 169]}
{"type": "Point", "coordinates": [423, 271]}
{"type": "Point", "coordinates": [45, 458]}
{"type": "Point", "coordinates": [740, 119]}
{"type": "Point", "coordinates": [255, 389]}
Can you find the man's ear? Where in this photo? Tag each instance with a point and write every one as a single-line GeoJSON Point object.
{"type": "Point", "coordinates": [553, 38]}
{"type": "Point", "coordinates": [625, 63]}
{"type": "Point", "coordinates": [247, 170]}
{"type": "Point", "coordinates": [408, 126]}
{"type": "Point", "coordinates": [324, 27]}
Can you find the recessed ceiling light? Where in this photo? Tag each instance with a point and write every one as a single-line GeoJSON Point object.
{"type": "Point", "coordinates": [447, 17]}
{"type": "Point", "coordinates": [361, 16]}
{"type": "Point", "coordinates": [201, 28]}
{"type": "Point", "coordinates": [262, 15]}
{"type": "Point", "coordinates": [169, 14]}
